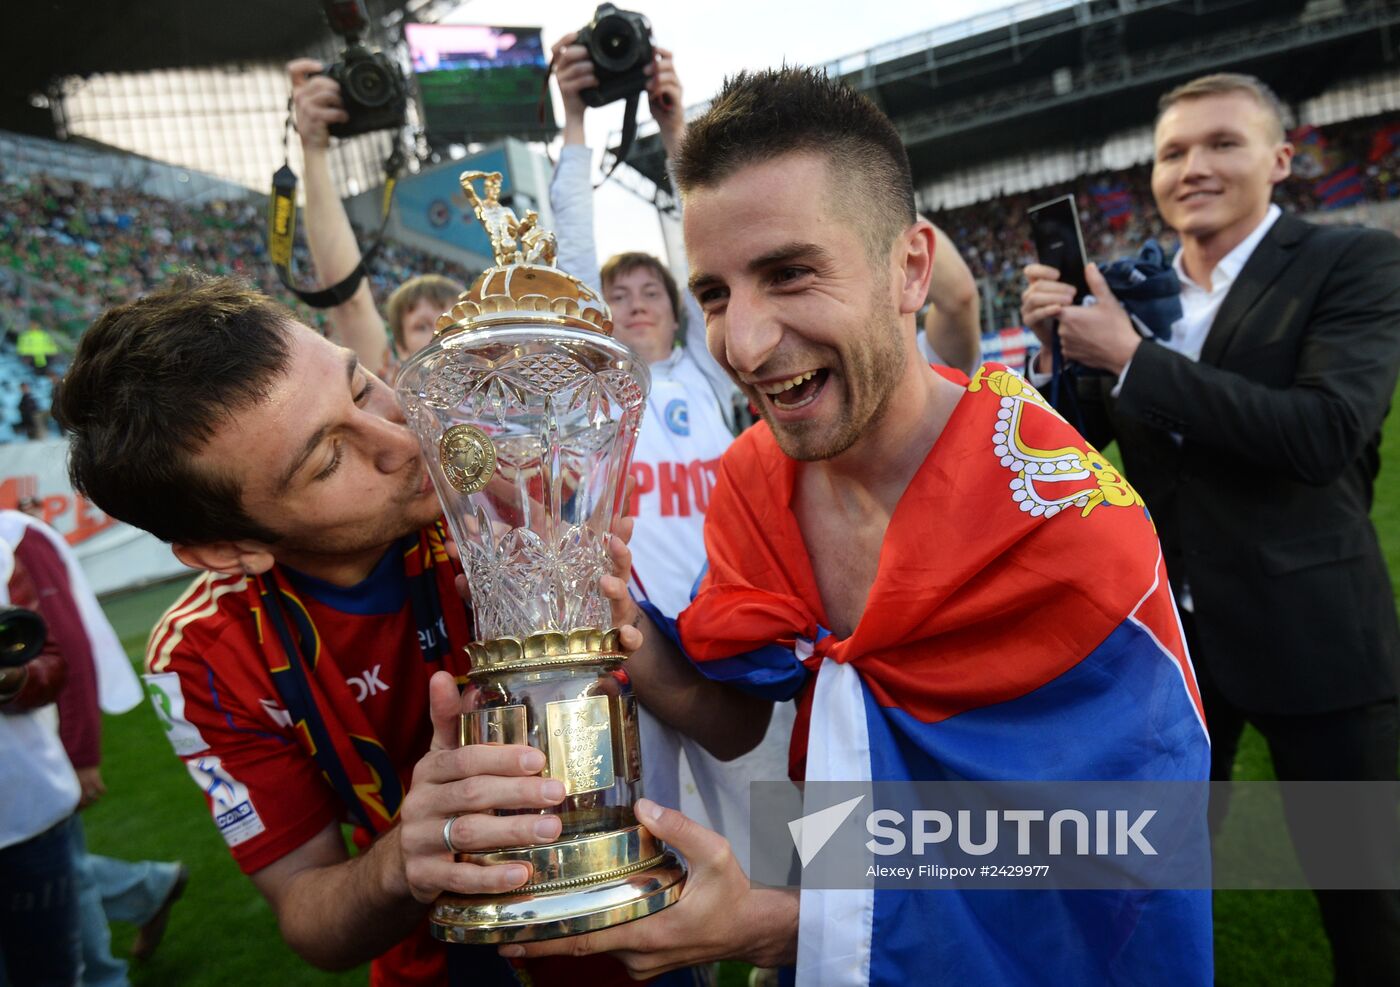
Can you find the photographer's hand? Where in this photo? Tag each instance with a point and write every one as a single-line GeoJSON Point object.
{"type": "Point", "coordinates": [573, 70]}
{"type": "Point", "coordinates": [92, 786]}
{"type": "Point", "coordinates": [315, 103]}
{"type": "Point", "coordinates": [664, 95]}
{"type": "Point", "coordinates": [11, 682]}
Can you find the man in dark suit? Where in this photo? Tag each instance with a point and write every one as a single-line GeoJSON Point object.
{"type": "Point", "coordinates": [1253, 435]}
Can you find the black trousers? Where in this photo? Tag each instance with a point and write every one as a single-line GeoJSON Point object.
{"type": "Point", "coordinates": [1359, 744]}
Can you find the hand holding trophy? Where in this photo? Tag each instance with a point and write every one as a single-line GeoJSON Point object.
{"type": "Point", "coordinates": [527, 413]}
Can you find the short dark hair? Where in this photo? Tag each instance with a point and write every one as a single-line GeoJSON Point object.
{"type": "Point", "coordinates": [439, 290]}
{"type": "Point", "coordinates": [620, 265]}
{"type": "Point", "coordinates": [148, 386]}
{"type": "Point", "coordinates": [1223, 84]}
{"type": "Point", "coordinates": [758, 116]}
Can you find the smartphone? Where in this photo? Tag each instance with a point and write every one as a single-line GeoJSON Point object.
{"type": "Point", "coordinates": [1059, 243]}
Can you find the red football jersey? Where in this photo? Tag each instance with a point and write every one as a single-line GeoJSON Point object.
{"type": "Point", "coordinates": [210, 683]}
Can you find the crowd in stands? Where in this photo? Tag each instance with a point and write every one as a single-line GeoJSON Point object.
{"type": "Point", "coordinates": [68, 251]}
{"type": "Point", "coordinates": [1335, 166]}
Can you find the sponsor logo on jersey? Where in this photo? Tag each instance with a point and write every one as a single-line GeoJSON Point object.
{"type": "Point", "coordinates": [229, 802]}
{"type": "Point", "coordinates": [678, 488]}
{"type": "Point", "coordinates": [367, 683]}
{"type": "Point", "coordinates": [428, 637]}
{"type": "Point", "coordinates": [169, 703]}
{"type": "Point", "coordinates": [279, 715]}
{"type": "Point", "coordinates": [677, 416]}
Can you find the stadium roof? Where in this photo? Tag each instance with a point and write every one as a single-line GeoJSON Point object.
{"type": "Point", "coordinates": [45, 41]}
{"type": "Point", "coordinates": [1047, 73]}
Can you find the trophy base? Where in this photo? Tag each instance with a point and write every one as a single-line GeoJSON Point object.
{"type": "Point", "coordinates": [531, 916]}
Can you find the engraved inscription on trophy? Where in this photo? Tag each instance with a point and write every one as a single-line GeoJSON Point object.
{"type": "Point", "coordinates": [627, 738]}
{"type": "Point", "coordinates": [468, 457]}
{"type": "Point", "coordinates": [580, 743]}
{"type": "Point", "coordinates": [500, 725]}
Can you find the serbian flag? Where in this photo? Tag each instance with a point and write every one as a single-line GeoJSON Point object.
{"type": "Point", "coordinates": [1383, 141]}
{"type": "Point", "coordinates": [1020, 627]}
{"type": "Point", "coordinates": [1341, 188]}
{"type": "Point", "coordinates": [1115, 202]}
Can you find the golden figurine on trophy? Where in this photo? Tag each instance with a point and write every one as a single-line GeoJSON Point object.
{"type": "Point", "coordinates": [527, 412]}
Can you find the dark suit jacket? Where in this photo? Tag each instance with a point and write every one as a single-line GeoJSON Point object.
{"type": "Point", "coordinates": [1263, 507]}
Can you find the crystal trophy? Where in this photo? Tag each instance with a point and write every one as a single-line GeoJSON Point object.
{"type": "Point", "coordinates": [527, 411]}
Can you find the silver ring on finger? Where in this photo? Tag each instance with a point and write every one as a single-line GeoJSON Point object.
{"type": "Point", "coordinates": [447, 834]}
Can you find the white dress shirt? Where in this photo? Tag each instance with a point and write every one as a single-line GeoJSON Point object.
{"type": "Point", "coordinates": [1200, 304]}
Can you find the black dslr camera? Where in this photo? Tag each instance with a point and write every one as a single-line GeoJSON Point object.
{"type": "Point", "coordinates": [619, 44]}
{"type": "Point", "coordinates": [22, 636]}
{"type": "Point", "coordinates": [372, 87]}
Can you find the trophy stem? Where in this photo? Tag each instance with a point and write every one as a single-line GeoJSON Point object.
{"type": "Point", "coordinates": [568, 695]}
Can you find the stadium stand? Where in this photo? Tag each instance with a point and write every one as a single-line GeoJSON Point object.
{"type": "Point", "coordinates": [70, 247]}
{"type": "Point", "coordinates": [78, 233]}
{"type": "Point", "coordinates": [1336, 169]}
{"type": "Point", "coordinates": [1016, 105]}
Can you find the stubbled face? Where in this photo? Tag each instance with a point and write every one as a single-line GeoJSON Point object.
{"type": "Point", "coordinates": [642, 313]}
{"type": "Point", "coordinates": [795, 309]}
{"type": "Point", "coordinates": [325, 460]}
{"type": "Point", "coordinates": [1217, 160]}
{"type": "Point", "coordinates": [418, 324]}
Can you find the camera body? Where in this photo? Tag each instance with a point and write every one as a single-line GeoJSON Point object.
{"type": "Point", "coordinates": [372, 88]}
{"type": "Point", "coordinates": [372, 91]}
{"type": "Point", "coordinates": [619, 45]}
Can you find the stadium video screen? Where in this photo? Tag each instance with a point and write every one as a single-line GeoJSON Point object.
{"type": "Point", "coordinates": [480, 83]}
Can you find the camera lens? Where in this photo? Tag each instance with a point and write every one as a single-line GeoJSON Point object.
{"type": "Point", "coordinates": [22, 634]}
{"type": "Point", "coordinates": [366, 84]}
{"type": "Point", "coordinates": [615, 44]}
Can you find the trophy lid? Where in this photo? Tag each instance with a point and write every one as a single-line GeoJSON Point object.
{"type": "Point", "coordinates": [524, 286]}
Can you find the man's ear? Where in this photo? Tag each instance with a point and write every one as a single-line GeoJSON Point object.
{"type": "Point", "coordinates": [915, 249]}
{"type": "Point", "coordinates": [234, 558]}
{"type": "Point", "coordinates": [1283, 163]}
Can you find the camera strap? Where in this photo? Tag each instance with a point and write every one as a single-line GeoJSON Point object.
{"type": "Point", "coordinates": [282, 222]}
{"type": "Point", "coordinates": [629, 134]}
{"type": "Point", "coordinates": [629, 120]}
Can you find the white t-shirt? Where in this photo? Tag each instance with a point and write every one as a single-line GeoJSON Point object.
{"type": "Point", "coordinates": [674, 467]}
